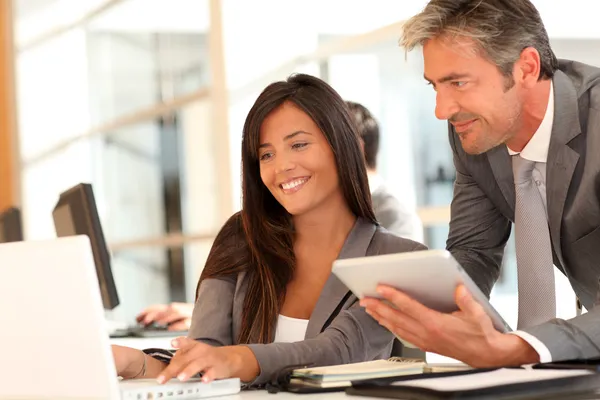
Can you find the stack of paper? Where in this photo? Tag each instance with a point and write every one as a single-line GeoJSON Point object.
{"type": "Point", "coordinates": [343, 375]}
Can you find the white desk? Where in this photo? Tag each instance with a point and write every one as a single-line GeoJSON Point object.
{"type": "Point", "coordinates": [165, 343]}
{"type": "Point", "coordinates": [262, 394]}
{"type": "Point", "coordinates": [144, 343]}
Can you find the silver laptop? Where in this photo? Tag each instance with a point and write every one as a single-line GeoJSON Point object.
{"type": "Point", "coordinates": [56, 344]}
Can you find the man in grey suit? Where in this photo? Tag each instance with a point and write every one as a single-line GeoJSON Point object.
{"type": "Point", "coordinates": [391, 212]}
{"type": "Point", "coordinates": [525, 132]}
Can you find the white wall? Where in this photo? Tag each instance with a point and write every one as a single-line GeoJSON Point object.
{"type": "Point", "coordinates": [52, 108]}
{"type": "Point", "coordinates": [583, 50]}
{"type": "Point", "coordinates": [252, 48]}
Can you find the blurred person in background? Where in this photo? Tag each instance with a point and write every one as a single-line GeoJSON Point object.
{"type": "Point", "coordinates": [175, 316]}
{"type": "Point", "coordinates": [391, 212]}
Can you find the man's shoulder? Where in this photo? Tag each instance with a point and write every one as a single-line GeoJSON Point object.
{"type": "Point", "coordinates": [386, 242]}
{"type": "Point", "coordinates": [585, 79]}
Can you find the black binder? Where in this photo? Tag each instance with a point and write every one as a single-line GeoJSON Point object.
{"type": "Point", "coordinates": [575, 387]}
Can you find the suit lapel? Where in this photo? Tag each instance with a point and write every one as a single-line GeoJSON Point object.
{"type": "Point", "coordinates": [562, 160]}
{"type": "Point", "coordinates": [334, 291]}
{"type": "Point", "coordinates": [501, 164]}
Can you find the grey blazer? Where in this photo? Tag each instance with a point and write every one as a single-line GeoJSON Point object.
{"type": "Point", "coordinates": [484, 203]}
{"type": "Point", "coordinates": [352, 336]}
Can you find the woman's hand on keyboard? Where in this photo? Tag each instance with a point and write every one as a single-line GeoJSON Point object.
{"type": "Point", "coordinates": [193, 357]}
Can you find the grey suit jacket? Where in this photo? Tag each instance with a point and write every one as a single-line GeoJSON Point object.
{"type": "Point", "coordinates": [352, 336]}
{"type": "Point", "coordinates": [484, 203]}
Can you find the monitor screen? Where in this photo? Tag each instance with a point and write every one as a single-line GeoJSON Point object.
{"type": "Point", "coordinates": [76, 214]}
{"type": "Point", "coordinates": [11, 229]}
{"type": "Point", "coordinates": [63, 221]}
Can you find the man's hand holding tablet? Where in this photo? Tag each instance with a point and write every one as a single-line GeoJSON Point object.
{"type": "Point", "coordinates": [426, 299]}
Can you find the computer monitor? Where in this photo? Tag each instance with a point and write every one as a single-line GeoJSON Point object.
{"type": "Point", "coordinates": [11, 228]}
{"type": "Point", "coordinates": [76, 214]}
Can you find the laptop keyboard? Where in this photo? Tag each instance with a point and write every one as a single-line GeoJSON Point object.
{"type": "Point", "coordinates": [149, 389]}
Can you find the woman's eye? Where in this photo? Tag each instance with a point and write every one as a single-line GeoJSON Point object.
{"type": "Point", "coordinates": [299, 145]}
{"type": "Point", "coordinates": [265, 156]}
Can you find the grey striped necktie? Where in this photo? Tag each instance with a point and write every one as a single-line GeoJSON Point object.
{"type": "Point", "coordinates": [535, 271]}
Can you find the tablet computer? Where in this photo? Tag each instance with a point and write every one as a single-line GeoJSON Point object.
{"type": "Point", "coordinates": [428, 276]}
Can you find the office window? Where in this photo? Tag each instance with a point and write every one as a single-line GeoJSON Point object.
{"type": "Point", "coordinates": [113, 99]}
{"type": "Point", "coordinates": [146, 100]}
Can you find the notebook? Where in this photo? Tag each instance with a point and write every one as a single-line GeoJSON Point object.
{"type": "Point", "coordinates": [445, 367]}
{"type": "Point", "coordinates": [498, 377]}
{"type": "Point", "coordinates": [339, 376]}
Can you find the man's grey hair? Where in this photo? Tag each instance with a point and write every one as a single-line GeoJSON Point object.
{"type": "Point", "coordinates": [501, 29]}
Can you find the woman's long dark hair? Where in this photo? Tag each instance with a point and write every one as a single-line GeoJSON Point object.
{"type": "Point", "coordinates": [260, 238]}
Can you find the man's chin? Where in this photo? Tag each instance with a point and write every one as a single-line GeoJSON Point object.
{"type": "Point", "coordinates": [472, 146]}
{"type": "Point", "coordinates": [468, 145]}
{"type": "Point", "coordinates": [473, 151]}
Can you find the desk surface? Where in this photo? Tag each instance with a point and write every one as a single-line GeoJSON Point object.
{"type": "Point", "coordinates": [144, 343]}
{"type": "Point", "coordinates": [165, 343]}
{"type": "Point", "coordinates": [253, 395]}
{"type": "Point", "coordinates": [262, 394]}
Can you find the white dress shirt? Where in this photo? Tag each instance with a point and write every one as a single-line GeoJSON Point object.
{"type": "Point", "coordinates": [537, 150]}
{"type": "Point", "coordinates": [290, 330]}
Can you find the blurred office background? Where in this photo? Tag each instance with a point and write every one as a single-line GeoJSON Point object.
{"type": "Point", "coordinates": [145, 99]}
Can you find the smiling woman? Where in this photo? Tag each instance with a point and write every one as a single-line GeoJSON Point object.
{"type": "Point", "coordinates": [267, 282]}
{"type": "Point", "coordinates": [300, 161]}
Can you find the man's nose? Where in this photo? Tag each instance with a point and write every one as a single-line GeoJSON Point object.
{"type": "Point", "coordinates": [445, 106]}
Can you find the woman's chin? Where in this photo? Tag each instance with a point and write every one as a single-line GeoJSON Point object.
{"type": "Point", "coordinates": [295, 210]}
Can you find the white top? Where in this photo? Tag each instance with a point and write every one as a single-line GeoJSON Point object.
{"type": "Point", "coordinates": [537, 150]}
{"type": "Point", "coordinates": [290, 330]}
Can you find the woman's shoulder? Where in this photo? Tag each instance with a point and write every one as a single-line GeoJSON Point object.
{"type": "Point", "coordinates": [231, 278]}
{"type": "Point", "coordinates": [219, 286]}
{"type": "Point", "coordinates": [386, 242]}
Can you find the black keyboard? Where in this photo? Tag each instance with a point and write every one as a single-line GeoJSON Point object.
{"type": "Point", "coordinates": [150, 331]}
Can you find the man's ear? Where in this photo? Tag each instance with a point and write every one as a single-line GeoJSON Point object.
{"type": "Point", "coordinates": [528, 67]}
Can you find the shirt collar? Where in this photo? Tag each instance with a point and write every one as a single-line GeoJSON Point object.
{"type": "Point", "coordinates": [537, 148]}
